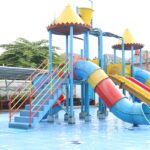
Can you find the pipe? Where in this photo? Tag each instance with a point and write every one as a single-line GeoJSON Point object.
{"type": "Point", "coordinates": [142, 76]}
{"type": "Point", "coordinates": [135, 113]}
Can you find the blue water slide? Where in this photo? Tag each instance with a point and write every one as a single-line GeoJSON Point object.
{"type": "Point", "coordinates": [141, 75]}
{"type": "Point", "coordinates": [135, 113]}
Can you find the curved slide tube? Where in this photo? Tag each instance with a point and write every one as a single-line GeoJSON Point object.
{"type": "Point", "coordinates": [119, 105]}
{"type": "Point", "coordinates": [142, 76]}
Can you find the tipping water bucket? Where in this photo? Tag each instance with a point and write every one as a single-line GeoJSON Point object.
{"type": "Point", "coordinates": [86, 14]}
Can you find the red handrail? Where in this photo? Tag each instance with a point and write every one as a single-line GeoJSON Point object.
{"type": "Point", "coordinates": [33, 114]}
{"type": "Point", "coordinates": [52, 84]}
{"type": "Point", "coordinates": [32, 93]}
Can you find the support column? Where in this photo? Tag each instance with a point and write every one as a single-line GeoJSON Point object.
{"type": "Point", "coordinates": [123, 58]}
{"type": "Point", "coordinates": [132, 61]}
{"type": "Point", "coordinates": [50, 52]}
{"type": "Point", "coordinates": [115, 59]}
{"type": "Point", "coordinates": [82, 113]}
{"type": "Point", "coordinates": [7, 90]}
{"type": "Point", "coordinates": [132, 67]}
{"type": "Point", "coordinates": [101, 106]}
{"type": "Point", "coordinates": [71, 119]}
{"type": "Point", "coordinates": [141, 58]}
{"type": "Point", "coordinates": [100, 49]}
{"type": "Point", "coordinates": [87, 99]}
{"type": "Point", "coordinates": [50, 117]}
{"type": "Point", "coordinates": [105, 63]}
{"type": "Point", "coordinates": [66, 116]}
{"type": "Point", "coordinates": [123, 62]}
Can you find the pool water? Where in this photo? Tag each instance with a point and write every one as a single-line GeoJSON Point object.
{"type": "Point", "coordinates": [107, 134]}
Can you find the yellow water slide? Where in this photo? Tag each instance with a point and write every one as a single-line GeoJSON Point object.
{"type": "Point", "coordinates": [131, 87]}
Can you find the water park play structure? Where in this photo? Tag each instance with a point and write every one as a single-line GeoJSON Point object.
{"type": "Point", "coordinates": [49, 89]}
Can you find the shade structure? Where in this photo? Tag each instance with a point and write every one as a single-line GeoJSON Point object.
{"type": "Point", "coordinates": [67, 18]}
{"type": "Point", "coordinates": [129, 42]}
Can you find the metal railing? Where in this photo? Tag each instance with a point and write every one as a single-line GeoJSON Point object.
{"type": "Point", "coordinates": [54, 86]}
{"type": "Point", "coordinates": [22, 89]}
{"type": "Point", "coordinates": [33, 74]}
{"type": "Point", "coordinates": [29, 96]}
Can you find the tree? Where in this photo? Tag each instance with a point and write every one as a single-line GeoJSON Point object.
{"type": "Point", "coordinates": [23, 53]}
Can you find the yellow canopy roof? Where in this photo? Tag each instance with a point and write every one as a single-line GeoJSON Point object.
{"type": "Point", "coordinates": [129, 41]}
{"type": "Point", "coordinates": [68, 16]}
{"type": "Point", "coordinates": [128, 37]}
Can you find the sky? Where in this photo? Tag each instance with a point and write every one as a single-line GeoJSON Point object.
{"type": "Point", "coordinates": [29, 19]}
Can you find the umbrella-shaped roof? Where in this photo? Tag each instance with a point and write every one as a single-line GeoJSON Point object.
{"type": "Point", "coordinates": [129, 41]}
{"type": "Point", "coordinates": [67, 18]}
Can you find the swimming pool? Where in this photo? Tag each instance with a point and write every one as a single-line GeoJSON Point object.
{"type": "Point", "coordinates": [108, 134]}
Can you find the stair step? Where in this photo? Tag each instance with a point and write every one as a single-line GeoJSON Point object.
{"type": "Point", "coordinates": [19, 125]}
{"type": "Point", "coordinates": [23, 119]}
{"type": "Point", "coordinates": [27, 107]}
{"type": "Point", "coordinates": [27, 113]}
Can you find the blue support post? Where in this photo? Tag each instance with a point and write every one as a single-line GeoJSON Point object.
{"type": "Point", "coordinates": [71, 119]}
{"type": "Point", "coordinates": [67, 85]}
{"type": "Point", "coordinates": [87, 99]}
{"type": "Point", "coordinates": [82, 97]}
{"type": "Point", "coordinates": [141, 58]}
{"type": "Point", "coordinates": [50, 117]}
{"type": "Point", "coordinates": [115, 59]}
{"type": "Point", "coordinates": [50, 52]}
{"type": "Point", "coordinates": [123, 58]}
{"type": "Point", "coordinates": [123, 62]}
{"type": "Point", "coordinates": [82, 113]}
{"type": "Point", "coordinates": [100, 49]}
{"type": "Point", "coordinates": [85, 45]}
{"type": "Point", "coordinates": [101, 106]}
{"type": "Point", "coordinates": [105, 63]}
{"type": "Point", "coordinates": [82, 53]}
{"type": "Point", "coordinates": [132, 61]}
{"type": "Point", "coordinates": [132, 67]}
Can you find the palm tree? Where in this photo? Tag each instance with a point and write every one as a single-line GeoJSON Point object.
{"type": "Point", "coordinates": [24, 53]}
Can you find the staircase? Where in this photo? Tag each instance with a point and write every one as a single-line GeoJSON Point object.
{"type": "Point", "coordinates": [44, 92]}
